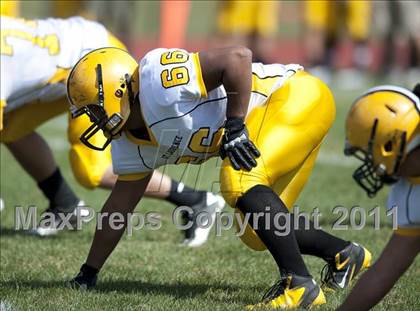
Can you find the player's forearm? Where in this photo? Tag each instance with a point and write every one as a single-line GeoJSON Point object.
{"type": "Point", "coordinates": [114, 216]}
{"type": "Point", "coordinates": [368, 291]}
{"type": "Point", "coordinates": [108, 233]}
{"type": "Point", "coordinates": [104, 242]}
{"type": "Point", "coordinates": [236, 79]}
{"type": "Point", "coordinates": [411, 165]}
{"type": "Point", "coordinates": [396, 258]}
{"type": "Point", "coordinates": [232, 68]}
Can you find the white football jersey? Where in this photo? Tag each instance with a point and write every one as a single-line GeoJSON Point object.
{"type": "Point", "coordinates": [36, 55]}
{"type": "Point", "coordinates": [405, 197]}
{"type": "Point", "coordinates": [185, 123]}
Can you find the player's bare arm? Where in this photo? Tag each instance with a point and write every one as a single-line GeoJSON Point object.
{"type": "Point", "coordinates": [232, 68]}
{"type": "Point", "coordinates": [396, 258]}
{"type": "Point", "coordinates": [123, 199]}
{"type": "Point", "coordinates": [411, 165]}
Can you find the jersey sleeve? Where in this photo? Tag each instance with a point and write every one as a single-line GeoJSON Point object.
{"type": "Point", "coordinates": [172, 75]}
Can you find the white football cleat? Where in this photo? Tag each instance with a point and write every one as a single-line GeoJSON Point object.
{"type": "Point", "coordinates": [53, 220]}
{"type": "Point", "coordinates": [196, 236]}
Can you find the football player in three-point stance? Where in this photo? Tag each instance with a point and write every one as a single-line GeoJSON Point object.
{"type": "Point", "coordinates": [383, 131]}
{"type": "Point", "coordinates": [36, 58]}
{"type": "Point", "coordinates": [266, 121]}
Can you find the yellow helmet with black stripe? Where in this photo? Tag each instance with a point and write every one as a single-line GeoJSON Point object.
{"type": "Point", "coordinates": [379, 128]}
{"type": "Point", "coordinates": [103, 84]}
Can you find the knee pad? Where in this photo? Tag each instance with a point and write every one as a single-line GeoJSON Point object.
{"type": "Point", "coordinates": [88, 169]}
{"type": "Point", "coordinates": [233, 184]}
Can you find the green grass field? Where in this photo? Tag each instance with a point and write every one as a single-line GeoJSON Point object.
{"type": "Point", "coordinates": [149, 270]}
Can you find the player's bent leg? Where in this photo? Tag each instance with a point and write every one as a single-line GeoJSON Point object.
{"type": "Point", "coordinates": [295, 123]}
{"type": "Point", "coordinates": [274, 225]}
{"type": "Point", "coordinates": [23, 121]}
{"type": "Point", "coordinates": [35, 156]}
{"type": "Point", "coordinates": [161, 186]}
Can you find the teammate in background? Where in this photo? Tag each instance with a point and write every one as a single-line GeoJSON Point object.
{"type": "Point", "coordinates": [249, 23]}
{"type": "Point", "coordinates": [36, 58]}
{"type": "Point", "coordinates": [179, 107]}
{"type": "Point", "coordinates": [325, 21]}
{"type": "Point", "coordinates": [383, 131]}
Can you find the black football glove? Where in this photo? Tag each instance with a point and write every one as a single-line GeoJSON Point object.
{"type": "Point", "coordinates": [85, 279]}
{"type": "Point", "coordinates": [237, 146]}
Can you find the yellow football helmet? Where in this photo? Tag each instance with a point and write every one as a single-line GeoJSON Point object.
{"type": "Point", "coordinates": [379, 126]}
{"type": "Point", "coordinates": [103, 84]}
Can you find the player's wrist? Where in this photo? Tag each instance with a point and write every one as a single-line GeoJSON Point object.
{"type": "Point", "coordinates": [237, 146]}
{"type": "Point", "coordinates": [234, 126]}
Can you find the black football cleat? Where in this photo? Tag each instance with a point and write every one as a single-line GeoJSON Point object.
{"type": "Point", "coordinates": [348, 263]}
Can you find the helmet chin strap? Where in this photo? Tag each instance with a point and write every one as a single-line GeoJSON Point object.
{"type": "Point", "coordinates": [128, 81]}
{"type": "Point", "coordinates": [99, 118]}
{"type": "Point", "coordinates": [400, 154]}
{"type": "Point", "coordinates": [372, 137]}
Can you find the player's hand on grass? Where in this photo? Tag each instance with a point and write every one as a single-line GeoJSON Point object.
{"type": "Point", "coordinates": [237, 146]}
{"type": "Point", "coordinates": [85, 279]}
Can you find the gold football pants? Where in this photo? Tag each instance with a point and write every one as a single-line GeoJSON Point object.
{"type": "Point", "coordinates": [288, 130]}
{"type": "Point", "coordinates": [88, 165]}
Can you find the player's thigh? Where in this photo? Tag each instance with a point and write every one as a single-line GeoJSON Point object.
{"type": "Point", "coordinates": [289, 186]}
{"type": "Point", "coordinates": [286, 130]}
{"type": "Point", "coordinates": [292, 124]}
{"type": "Point", "coordinates": [88, 165]}
{"type": "Point", "coordinates": [24, 120]}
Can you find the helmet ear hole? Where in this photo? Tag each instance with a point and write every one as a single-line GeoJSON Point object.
{"type": "Point", "coordinates": [388, 146]}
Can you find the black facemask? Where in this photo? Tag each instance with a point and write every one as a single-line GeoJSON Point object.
{"type": "Point", "coordinates": [367, 175]}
